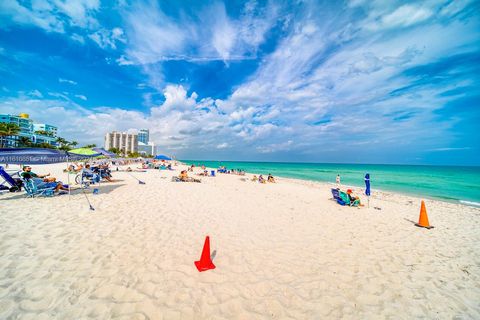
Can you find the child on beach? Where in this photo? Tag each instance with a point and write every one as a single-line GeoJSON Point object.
{"type": "Point", "coordinates": [337, 180]}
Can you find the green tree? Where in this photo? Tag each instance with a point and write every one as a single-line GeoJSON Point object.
{"type": "Point", "coordinates": [90, 146]}
{"type": "Point", "coordinates": [133, 154]}
{"type": "Point", "coordinates": [7, 130]}
{"type": "Point", "coordinates": [63, 144]}
{"type": "Point", "coordinates": [45, 145]}
{"type": "Point", "coordinates": [24, 142]}
{"type": "Point", "coordinates": [74, 143]}
{"type": "Point", "coordinates": [44, 133]}
{"type": "Point", "coordinates": [115, 150]}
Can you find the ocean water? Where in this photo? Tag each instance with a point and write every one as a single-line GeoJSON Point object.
{"type": "Point", "coordinates": [450, 183]}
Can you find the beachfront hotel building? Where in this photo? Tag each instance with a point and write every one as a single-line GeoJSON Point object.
{"type": "Point", "coordinates": [144, 136]}
{"type": "Point", "coordinates": [29, 130]}
{"type": "Point", "coordinates": [147, 148]}
{"type": "Point", "coordinates": [123, 141]}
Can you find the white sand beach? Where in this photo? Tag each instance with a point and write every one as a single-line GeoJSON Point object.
{"type": "Point", "coordinates": [282, 251]}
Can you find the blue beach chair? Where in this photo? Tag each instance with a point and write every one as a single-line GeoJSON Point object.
{"type": "Point", "coordinates": [8, 179]}
{"type": "Point", "coordinates": [85, 179]}
{"type": "Point", "coordinates": [343, 199]}
{"type": "Point", "coordinates": [212, 173]}
{"type": "Point", "coordinates": [32, 190]}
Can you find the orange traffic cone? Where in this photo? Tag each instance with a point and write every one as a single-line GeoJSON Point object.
{"type": "Point", "coordinates": [205, 262]}
{"type": "Point", "coordinates": [423, 219]}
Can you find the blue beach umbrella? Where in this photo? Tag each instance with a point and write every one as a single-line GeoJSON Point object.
{"type": "Point", "coordinates": [367, 184]}
{"type": "Point", "coordinates": [162, 157]}
{"type": "Point", "coordinates": [36, 156]}
{"type": "Point", "coordinates": [367, 187]}
{"type": "Point", "coordinates": [105, 152]}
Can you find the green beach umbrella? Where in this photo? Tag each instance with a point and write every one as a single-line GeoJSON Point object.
{"type": "Point", "coordinates": [86, 152]}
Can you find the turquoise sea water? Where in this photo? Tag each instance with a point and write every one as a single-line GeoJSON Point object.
{"type": "Point", "coordinates": [442, 182]}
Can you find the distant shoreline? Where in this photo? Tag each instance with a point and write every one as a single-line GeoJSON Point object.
{"type": "Point", "coordinates": [307, 172]}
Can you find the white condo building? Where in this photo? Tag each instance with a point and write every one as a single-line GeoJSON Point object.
{"type": "Point", "coordinates": [146, 149]}
{"type": "Point", "coordinates": [126, 142]}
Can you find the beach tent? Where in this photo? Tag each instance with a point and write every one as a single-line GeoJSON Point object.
{"type": "Point", "coordinates": [36, 156]}
{"type": "Point", "coordinates": [162, 157]}
{"type": "Point", "coordinates": [105, 152]}
{"type": "Point", "coordinates": [87, 152]}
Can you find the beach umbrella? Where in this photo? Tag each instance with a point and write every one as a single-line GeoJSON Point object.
{"type": "Point", "coordinates": [104, 152]}
{"type": "Point", "coordinates": [162, 157]}
{"type": "Point", "coordinates": [88, 152]}
{"type": "Point", "coordinates": [367, 187]}
{"type": "Point", "coordinates": [36, 156]}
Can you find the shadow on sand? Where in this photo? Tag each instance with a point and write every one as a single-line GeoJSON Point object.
{"type": "Point", "coordinates": [102, 188]}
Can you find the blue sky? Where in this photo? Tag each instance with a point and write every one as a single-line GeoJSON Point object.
{"type": "Point", "coordinates": [313, 81]}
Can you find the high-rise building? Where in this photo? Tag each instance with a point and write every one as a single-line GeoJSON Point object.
{"type": "Point", "coordinates": [28, 130]}
{"type": "Point", "coordinates": [147, 149]}
{"type": "Point", "coordinates": [126, 142]}
{"type": "Point", "coordinates": [144, 136]}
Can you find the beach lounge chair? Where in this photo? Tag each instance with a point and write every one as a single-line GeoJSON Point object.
{"type": "Point", "coordinates": [189, 179]}
{"type": "Point", "coordinates": [85, 179]}
{"type": "Point", "coordinates": [8, 179]}
{"type": "Point", "coordinates": [32, 190]}
{"type": "Point", "coordinates": [343, 199]}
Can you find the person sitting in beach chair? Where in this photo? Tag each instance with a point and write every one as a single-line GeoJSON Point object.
{"type": "Point", "coordinates": [74, 168]}
{"type": "Point", "coordinates": [354, 200]}
{"type": "Point", "coordinates": [104, 172]}
{"type": "Point", "coordinates": [261, 179]}
{"type": "Point", "coordinates": [41, 181]}
{"type": "Point", "coordinates": [254, 178]}
{"type": "Point", "coordinates": [185, 178]}
{"type": "Point", "coordinates": [270, 178]}
{"type": "Point", "coordinates": [204, 173]}
{"type": "Point", "coordinates": [28, 174]}
{"type": "Point", "coordinates": [342, 198]}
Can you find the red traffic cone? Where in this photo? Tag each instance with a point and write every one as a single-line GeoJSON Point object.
{"type": "Point", "coordinates": [205, 262]}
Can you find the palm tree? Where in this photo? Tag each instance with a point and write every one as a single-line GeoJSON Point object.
{"type": "Point", "coordinates": [44, 133]}
{"type": "Point", "coordinates": [61, 141]}
{"type": "Point", "coordinates": [63, 144]}
{"type": "Point", "coordinates": [73, 143]}
{"type": "Point", "coordinates": [7, 130]}
{"type": "Point", "coordinates": [24, 142]}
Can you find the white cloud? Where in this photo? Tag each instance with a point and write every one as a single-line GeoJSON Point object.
{"type": "Point", "coordinates": [50, 15]}
{"type": "Point", "coordinates": [35, 93]}
{"type": "Point", "coordinates": [222, 145]}
{"type": "Point", "coordinates": [284, 146]}
{"type": "Point", "coordinates": [62, 80]}
{"type": "Point", "coordinates": [80, 96]}
{"type": "Point", "coordinates": [209, 35]}
{"type": "Point", "coordinates": [78, 38]}
{"type": "Point", "coordinates": [80, 12]}
{"type": "Point", "coordinates": [406, 16]}
{"type": "Point", "coordinates": [108, 38]}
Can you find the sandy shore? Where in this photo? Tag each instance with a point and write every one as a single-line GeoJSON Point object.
{"type": "Point", "coordinates": [283, 251]}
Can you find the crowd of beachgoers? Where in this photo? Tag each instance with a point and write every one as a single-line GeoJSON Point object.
{"type": "Point", "coordinates": [100, 171]}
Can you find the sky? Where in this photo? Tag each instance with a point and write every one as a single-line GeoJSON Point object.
{"type": "Point", "coordinates": [309, 81]}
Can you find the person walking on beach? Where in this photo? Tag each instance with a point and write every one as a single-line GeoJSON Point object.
{"type": "Point", "coordinates": [337, 180]}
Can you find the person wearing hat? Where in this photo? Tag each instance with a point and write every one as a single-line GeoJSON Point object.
{"type": "Point", "coordinates": [352, 197]}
